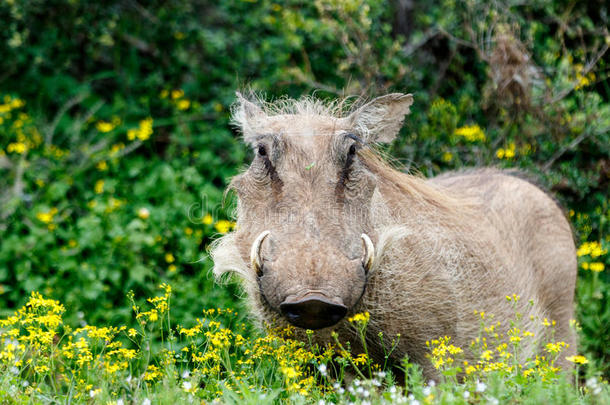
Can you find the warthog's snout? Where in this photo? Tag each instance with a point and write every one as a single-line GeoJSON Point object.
{"type": "Point", "coordinates": [313, 312]}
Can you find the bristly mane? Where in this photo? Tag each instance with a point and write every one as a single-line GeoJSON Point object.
{"type": "Point", "coordinates": [306, 106]}
{"type": "Point", "coordinates": [448, 204]}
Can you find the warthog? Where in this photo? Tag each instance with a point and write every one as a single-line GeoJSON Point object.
{"type": "Point", "coordinates": [326, 229]}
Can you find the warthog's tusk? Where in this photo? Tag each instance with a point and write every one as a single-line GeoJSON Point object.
{"type": "Point", "coordinates": [255, 253]}
{"type": "Point", "coordinates": [369, 252]}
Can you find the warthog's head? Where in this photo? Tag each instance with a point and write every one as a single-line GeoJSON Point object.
{"type": "Point", "coordinates": [304, 229]}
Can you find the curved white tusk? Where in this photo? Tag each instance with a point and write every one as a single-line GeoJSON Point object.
{"type": "Point", "coordinates": [369, 252]}
{"type": "Point", "coordinates": [255, 253]}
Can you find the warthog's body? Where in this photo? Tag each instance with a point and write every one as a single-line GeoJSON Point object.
{"type": "Point", "coordinates": [444, 247]}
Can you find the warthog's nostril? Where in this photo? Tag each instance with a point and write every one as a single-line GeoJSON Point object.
{"type": "Point", "coordinates": [313, 312]}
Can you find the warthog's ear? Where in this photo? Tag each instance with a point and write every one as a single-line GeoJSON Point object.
{"type": "Point", "coordinates": [247, 115]}
{"type": "Point", "coordinates": [380, 119]}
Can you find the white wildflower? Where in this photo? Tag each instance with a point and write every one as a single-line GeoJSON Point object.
{"type": "Point", "coordinates": [322, 369]}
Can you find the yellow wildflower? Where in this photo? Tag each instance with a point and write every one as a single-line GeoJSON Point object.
{"type": "Point", "coordinates": [360, 317]}
{"type": "Point", "coordinates": [176, 94]}
{"type": "Point", "coordinates": [361, 359]}
{"type": "Point", "coordinates": [577, 359]}
{"type": "Point", "coordinates": [290, 372]}
{"type": "Point", "coordinates": [102, 166]}
{"type": "Point", "coordinates": [46, 217]}
{"type": "Point", "coordinates": [183, 104]}
{"type": "Point", "coordinates": [596, 266]}
{"type": "Point", "coordinates": [143, 213]}
{"type": "Point", "coordinates": [486, 355]}
{"type": "Point", "coordinates": [41, 369]}
{"type": "Point", "coordinates": [223, 226]}
{"type": "Point", "coordinates": [556, 347]}
{"type": "Point", "coordinates": [99, 187]}
{"type": "Point", "coordinates": [116, 148]}
{"type": "Point", "coordinates": [152, 372]}
{"type": "Point", "coordinates": [145, 130]}
{"type": "Point", "coordinates": [17, 147]}
{"type": "Point", "coordinates": [593, 249]}
{"type": "Point", "coordinates": [472, 133]}
{"type": "Point", "coordinates": [104, 126]}
{"type": "Point", "coordinates": [506, 153]}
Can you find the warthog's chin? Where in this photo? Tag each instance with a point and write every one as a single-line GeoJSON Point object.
{"type": "Point", "coordinates": [313, 311]}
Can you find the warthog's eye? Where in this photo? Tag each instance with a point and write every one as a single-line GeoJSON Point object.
{"type": "Point", "coordinates": [352, 150]}
{"type": "Point", "coordinates": [269, 168]}
{"type": "Point", "coordinates": [345, 171]}
{"type": "Point", "coordinates": [351, 154]}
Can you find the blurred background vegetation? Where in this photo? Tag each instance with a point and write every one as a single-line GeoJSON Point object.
{"type": "Point", "coordinates": [116, 142]}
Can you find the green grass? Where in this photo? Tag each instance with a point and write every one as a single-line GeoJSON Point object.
{"type": "Point", "coordinates": [44, 360]}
